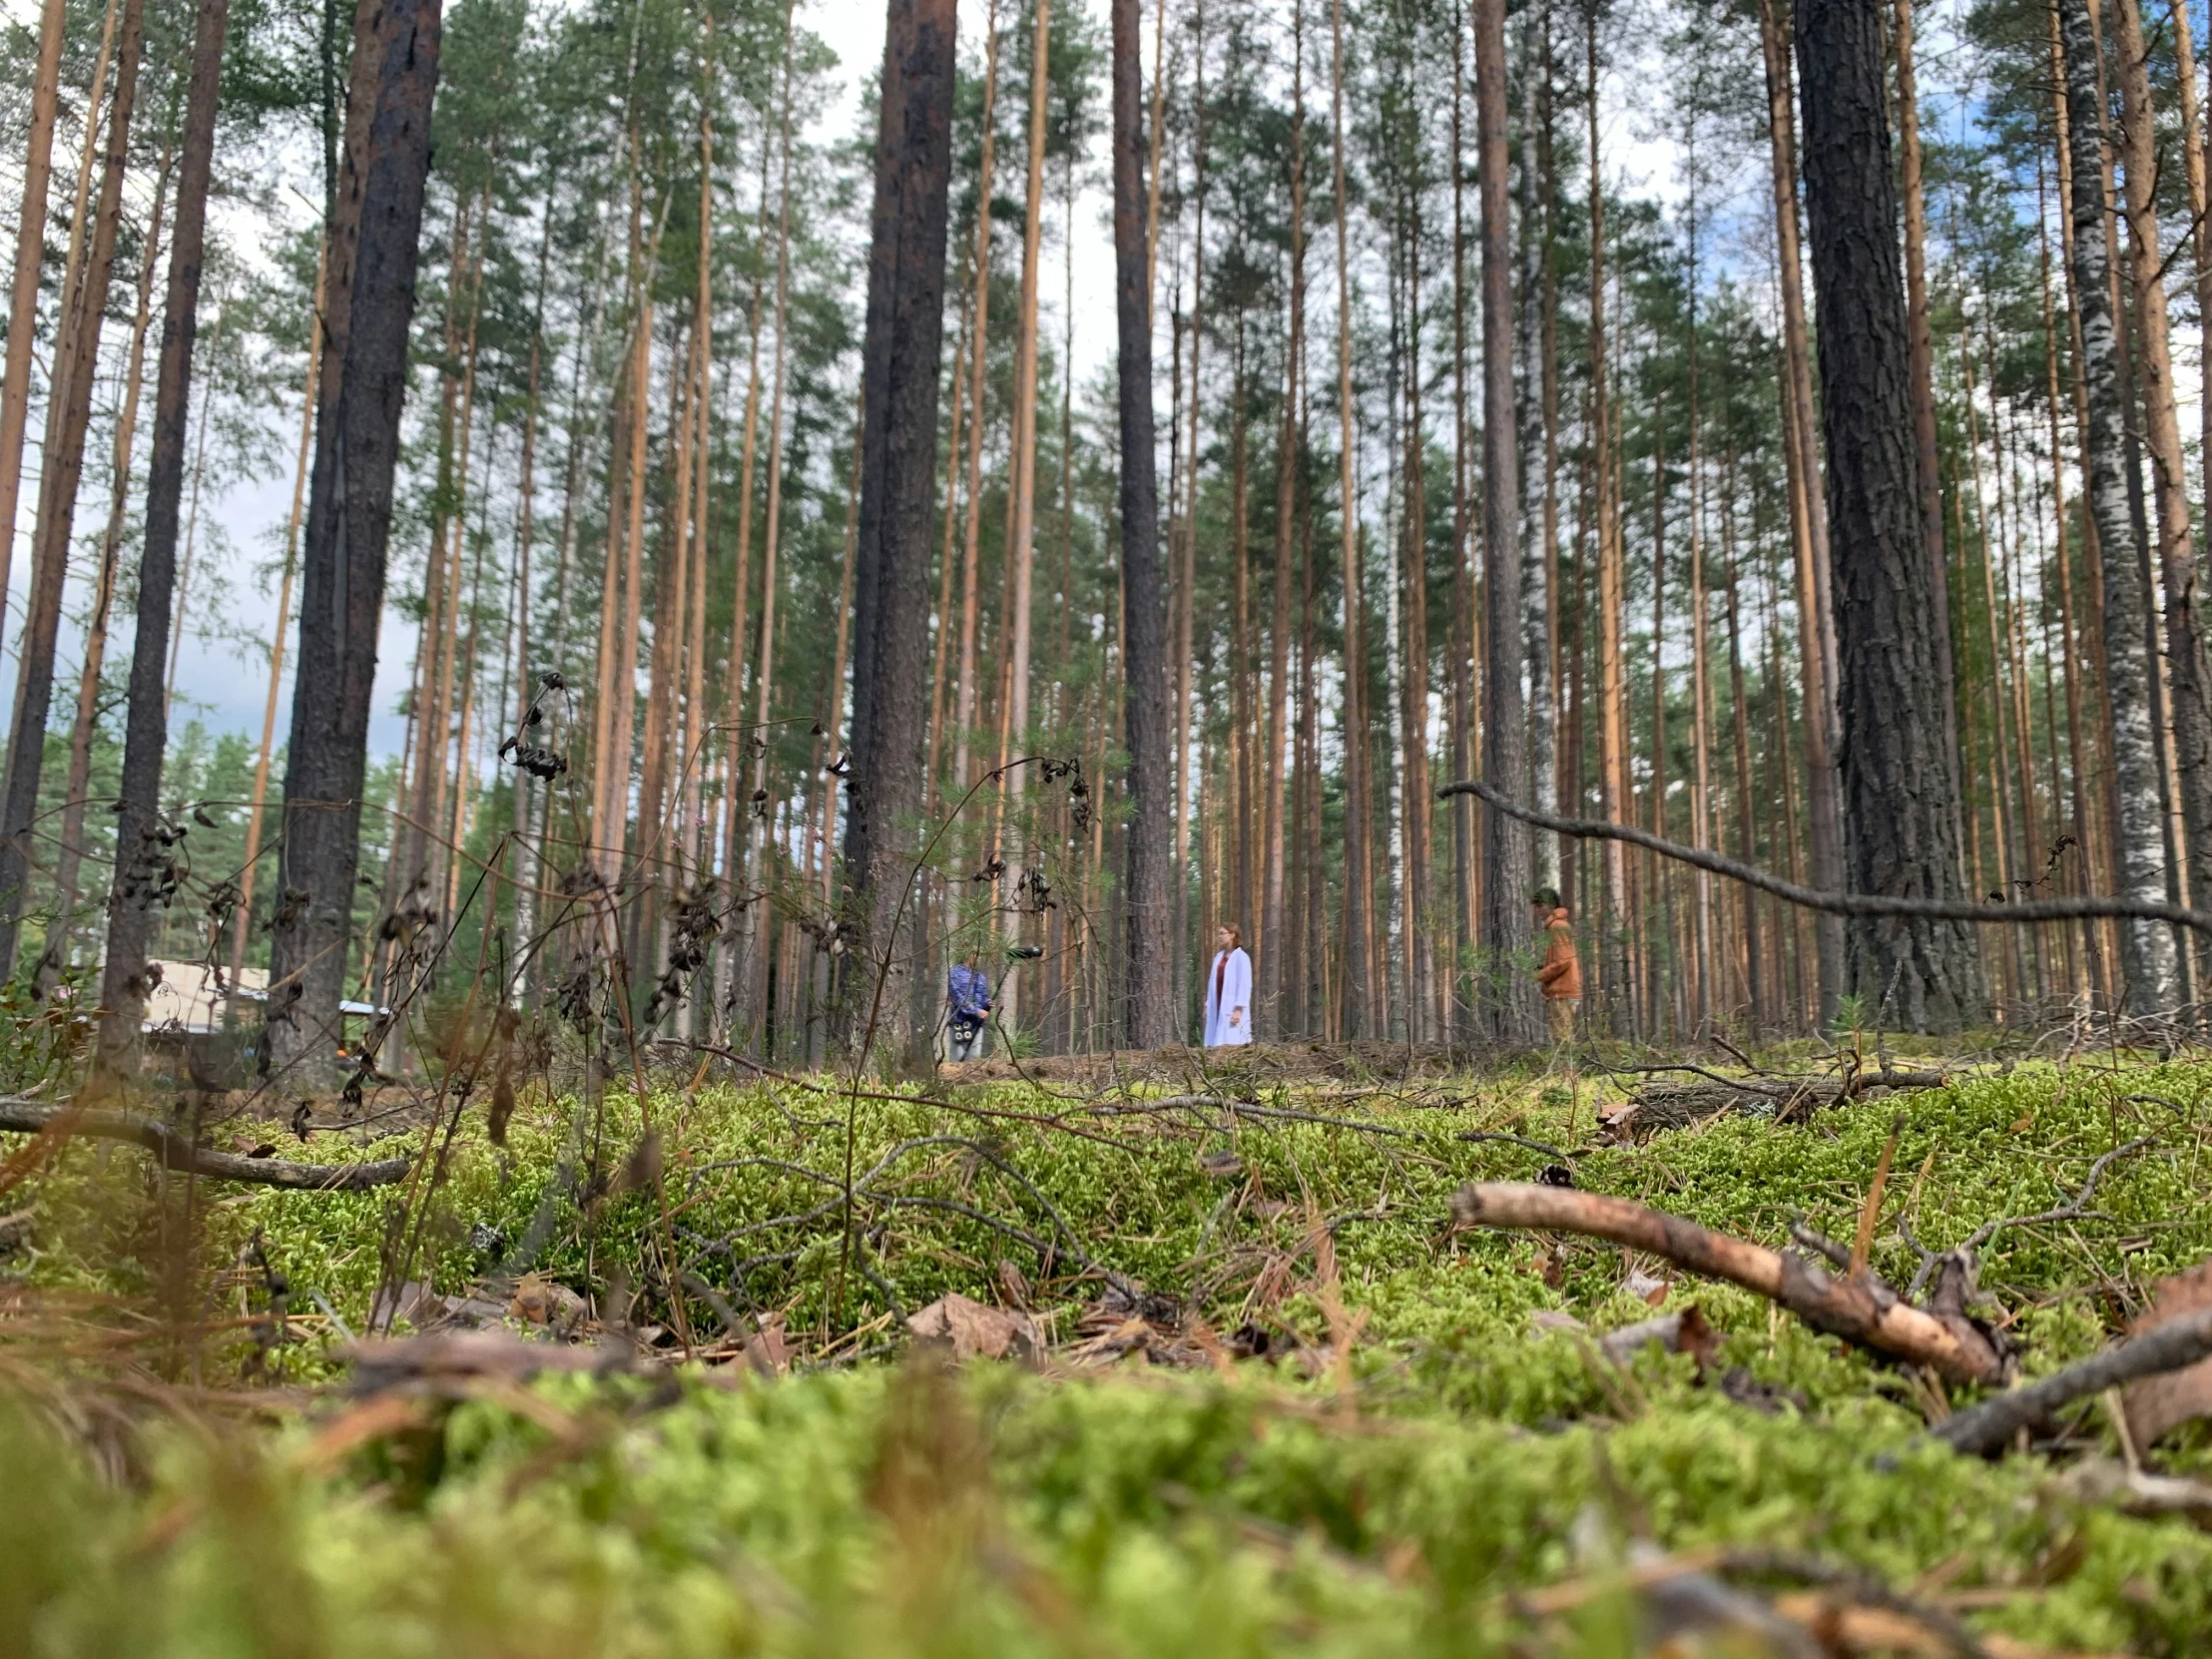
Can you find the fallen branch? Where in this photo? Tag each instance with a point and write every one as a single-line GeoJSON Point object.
{"type": "Point", "coordinates": [1668, 1105]}
{"type": "Point", "coordinates": [36, 1117]}
{"type": "Point", "coordinates": [1835, 904]}
{"type": "Point", "coordinates": [1863, 1310]}
{"type": "Point", "coordinates": [1985, 1428]}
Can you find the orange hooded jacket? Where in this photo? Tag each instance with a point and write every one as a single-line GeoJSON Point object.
{"type": "Point", "coordinates": [1561, 972]}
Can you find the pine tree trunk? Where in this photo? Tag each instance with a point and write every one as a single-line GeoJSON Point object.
{"type": "Point", "coordinates": [621, 682]}
{"type": "Point", "coordinates": [1359, 805]}
{"type": "Point", "coordinates": [68, 858]}
{"type": "Point", "coordinates": [529, 857]}
{"type": "Point", "coordinates": [1421, 989]}
{"type": "Point", "coordinates": [887, 1003]}
{"type": "Point", "coordinates": [61, 465]}
{"type": "Point", "coordinates": [1239, 885]}
{"type": "Point", "coordinates": [1747, 846]}
{"type": "Point", "coordinates": [1461, 1027]}
{"type": "Point", "coordinates": [1901, 807]}
{"type": "Point", "coordinates": [1507, 991]}
{"type": "Point", "coordinates": [1615, 794]}
{"type": "Point", "coordinates": [1149, 999]}
{"type": "Point", "coordinates": [2147, 964]}
{"type": "Point", "coordinates": [1552, 782]}
{"type": "Point", "coordinates": [373, 243]}
{"type": "Point", "coordinates": [1701, 693]}
{"type": "Point", "coordinates": [964, 712]}
{"type": "Point", "coordinates": [1275, 925]}
{"type": "Point", "coordinates": [740, 737]}
{"type": "Point", "coordinates": [141, 841]}
{"type": "Point", "coordinates": [1823, 786]}
{"type": "Point", "coordinates": [753, 1004]}
{"type": "Point", "coordinates": [1924, 362]}
{"type": "Point", "coordinates": [30, 249]}
{"type": "Point", "coordinates": [1021, 545]}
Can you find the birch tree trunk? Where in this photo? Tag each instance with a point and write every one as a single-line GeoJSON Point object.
{"type": "Point", "coordinates": [2147, 961]}
{"type": "Point", "coordinates": [2186, 666]}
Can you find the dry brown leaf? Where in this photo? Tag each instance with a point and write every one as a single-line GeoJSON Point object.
{"type": "Point", "coordinates": [2154, 1405]}
{"type": "Point", "coordinates": [766, 1350]}
{"type": "Point", "coordinates": [976, 1332]}
{"type": "Point", "coordinates": [1686, 1332]}
{"type": "Point", "coordinates": [542, 1300]}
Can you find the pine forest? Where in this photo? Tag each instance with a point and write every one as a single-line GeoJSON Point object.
{"type": "Point", "coordinates": [1309, 827]}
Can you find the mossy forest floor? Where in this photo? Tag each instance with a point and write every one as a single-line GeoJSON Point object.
{"type": "Point", "coordinates": [1430, 1456]}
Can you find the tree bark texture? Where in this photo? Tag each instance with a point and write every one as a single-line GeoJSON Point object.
{"type": "Point", "coordinates": [1923, 364]}
{"type": "Point", "coordinates": [2139, 850]}
{"type": "Point", "coordinates": [1824, 815]}
{"type": "Point", "coordinates": [898, 448]}
{"type": "Point", "coordinates": [1505, 987]}
{"type": "Point", "coordinates": [30, 246]}
{"type": "Point", "coordinates": [1901, 814]}
{"type": "Point", "coordinates": [374, 240]}
{"type": "Point", "coordinates": [2192, 700]}
{"type": "Point", "coordinates": [69, 409]}
{"type": "Point", "coordinates": [1147, 994]}
{"type": "Point", "coordinates": [141, 839]}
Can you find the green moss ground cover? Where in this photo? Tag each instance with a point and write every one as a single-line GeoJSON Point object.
{"type": "Point", "coordinates": [878, 1507]}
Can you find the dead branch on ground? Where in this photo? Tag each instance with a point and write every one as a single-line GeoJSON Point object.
{"type": "Point", "coordinates": [1865, 1311]}
{"type": "Point", "coordinates": [1679, 1105]}
{"type": "Point", "coordinates": [177, 1152]}
{"type": "Point", "coordinates": [2170, 1346]}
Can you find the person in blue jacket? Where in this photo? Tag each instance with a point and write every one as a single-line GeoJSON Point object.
{"type": "Point", "coordinates": [968, 1000]}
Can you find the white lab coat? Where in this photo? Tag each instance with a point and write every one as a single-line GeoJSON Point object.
{"type": "Point", "coordinates": [1234, 968]}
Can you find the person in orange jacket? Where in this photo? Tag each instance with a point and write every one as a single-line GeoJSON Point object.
{"type": "Point", "coordinates": [1560, 972]}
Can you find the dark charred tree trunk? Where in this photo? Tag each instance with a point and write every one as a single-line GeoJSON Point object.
{"type": "Point", "coordinates": [374, 240]}
{"type": "Point", "coordinates": [142, 841]}
{"type": "Point", "coordinates": [1148, 993]}
{"type": "Point", "coordinates": [1901, 810]}
{"type": "Point", "coordinates": [887, 987]}
{"type": "Point", "coordinates": [1504, 988]}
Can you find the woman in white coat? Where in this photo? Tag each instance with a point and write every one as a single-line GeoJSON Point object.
{"type": "Point", "coordinates": [1229, 992]}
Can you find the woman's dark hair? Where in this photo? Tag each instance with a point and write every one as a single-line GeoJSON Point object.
{"type": "Point", "coordinates": [1549, 897]}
